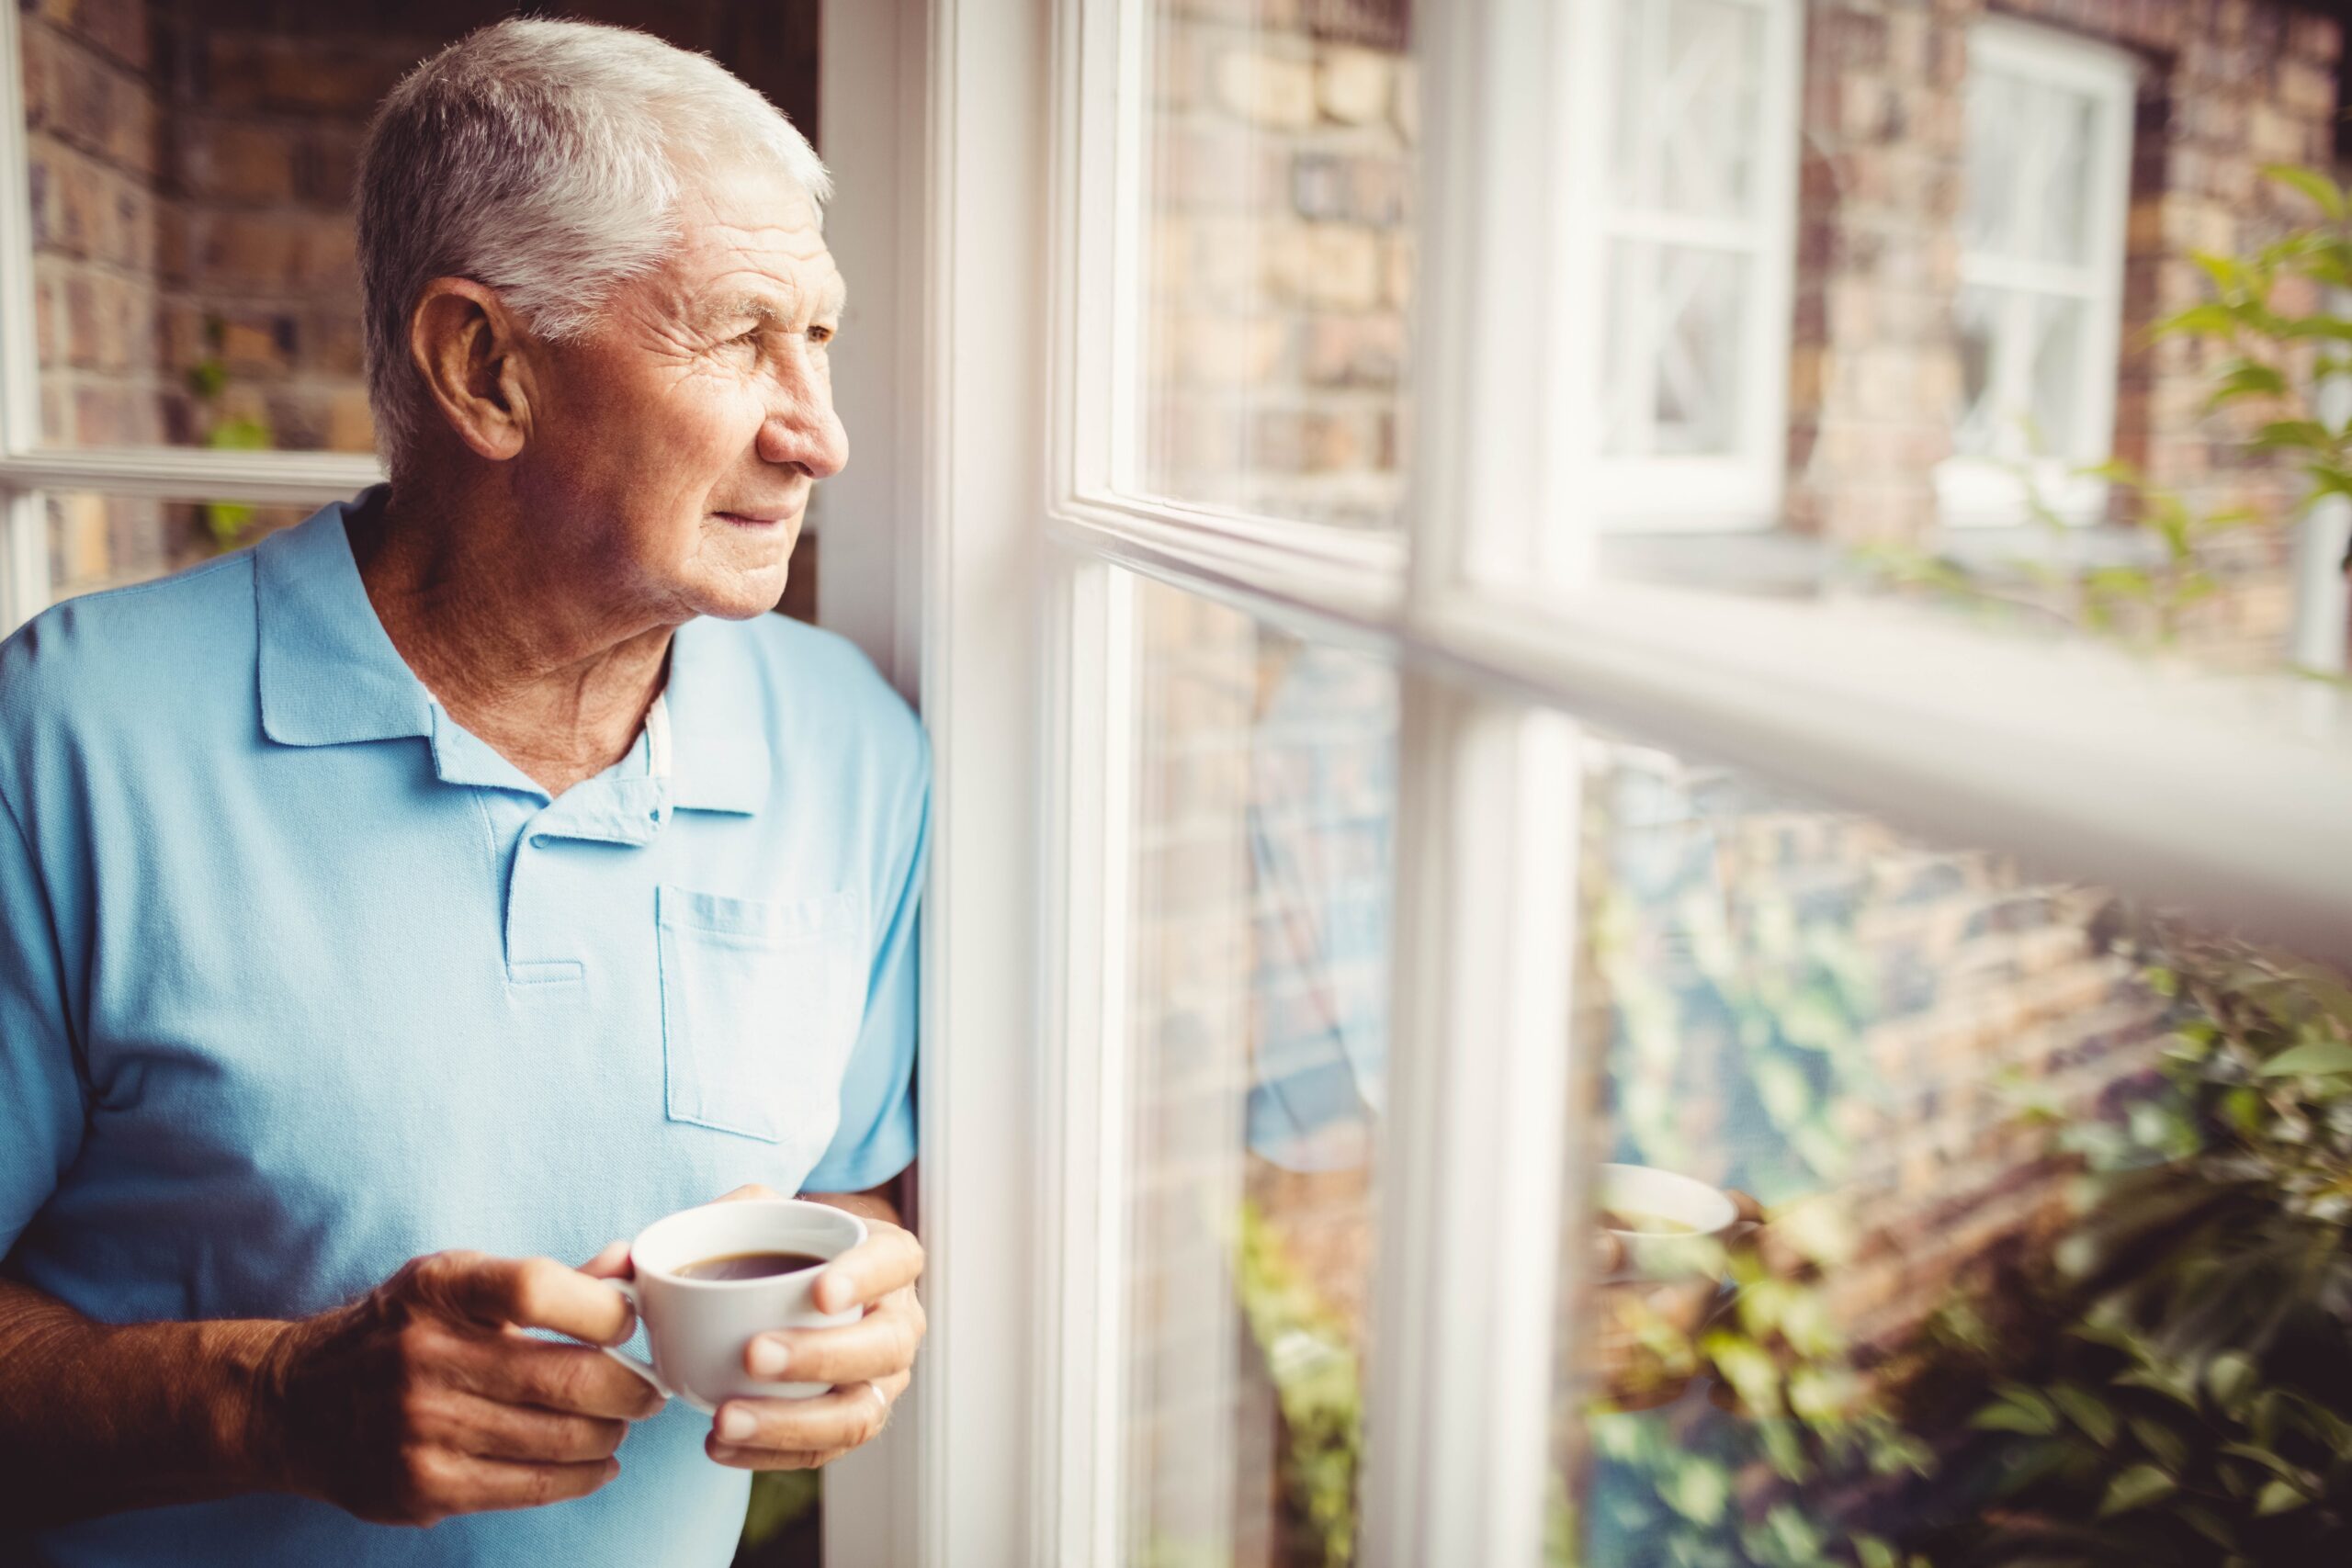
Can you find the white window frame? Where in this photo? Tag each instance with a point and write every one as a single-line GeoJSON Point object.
{"type": "Point", "coordinates": [1676, 494]}
{"type": "Point", "coordinates": [1976, 492]}
{"type": "Point", "coordinates": [2085, 767]}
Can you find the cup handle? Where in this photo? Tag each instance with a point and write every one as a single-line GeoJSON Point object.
{"type": "Point", "coordinates": [642, 1368]}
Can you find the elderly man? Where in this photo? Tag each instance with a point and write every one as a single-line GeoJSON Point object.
{"type": "Point", "coordinates": [459, 881]}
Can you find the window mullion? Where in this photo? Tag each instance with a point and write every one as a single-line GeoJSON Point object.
{"type": "Point", "coordinates": [1475, 1142]}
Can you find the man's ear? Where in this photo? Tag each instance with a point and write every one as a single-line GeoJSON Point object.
{"type": "Point", "coordinates": [476, 360]}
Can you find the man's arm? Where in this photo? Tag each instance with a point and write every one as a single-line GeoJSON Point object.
{"type": "Point", "coordinates": [96, 1418]}
{"type": "Point", "coordinates": [422, 1399]}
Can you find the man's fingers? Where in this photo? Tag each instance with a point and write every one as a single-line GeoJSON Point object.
{"type": "Point", "coordinates": [845, 1419]}
{"type": "Point", "coordinates": [882, 1342]}
{"type": "Point", "coordinates": [890, 1258]}
{"type": "Point", "coordinates": [492, 1430]}
{"type": "Point", "coordinates": [530, 1292]}
{"type": "Point", "coordinates": [612, 1263]}
{"type": "Point", "coordinates": [457, 1483]}
{"type": "Point", "coordinates": [516, 1369]}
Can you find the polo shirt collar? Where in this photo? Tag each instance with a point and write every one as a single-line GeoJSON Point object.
{"type": "Point", "coordinates": [329, 675]}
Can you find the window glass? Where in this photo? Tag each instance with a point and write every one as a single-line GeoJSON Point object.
{"type": "Point", "coordinates": [1679, 183]}
{"type": "Point", "coordinates": [1261, 844]}
{"type": "Point", "coordinates": [1274, 260]}
{"type": "Point", "coordinates": [2048, 364]}
{"type": "Point", "coordinates": [1690, 109]}
{"type": "Point", "coordinates": [190, 173]}
{"type": "Point", "coordinates": [2041, 256]}
{"type": "Point", "coordinates": [1949, 1214]}
{"type": "Point", "coordinates": [111, 541]}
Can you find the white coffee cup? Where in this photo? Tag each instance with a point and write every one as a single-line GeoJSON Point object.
{"type": "Point", "coordinates": [698, 1327]}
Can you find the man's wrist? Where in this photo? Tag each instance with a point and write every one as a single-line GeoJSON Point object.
{"type": "Point", "coordinates": [237, 1419]}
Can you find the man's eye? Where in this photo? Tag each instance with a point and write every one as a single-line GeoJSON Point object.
{"type": "Point", "coordinates": [751, 336]}
{"type": "Point", "coordinates": [820, 335]}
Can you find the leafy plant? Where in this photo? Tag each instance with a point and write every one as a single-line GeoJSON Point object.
{"type": "Point", "coordinates": [2189, 1409]}
{"type": "Point", "coordinates": [2282, 345]}
{"type": "Point", "coordinates": [1700, 1486]}
{"type": "Point", "coordinates": [1317, 1383]}
{"type": "Point", "coordinates": [226, 521]}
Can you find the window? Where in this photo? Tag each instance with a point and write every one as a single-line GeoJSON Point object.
{"type": "Point", "coordinates": [1758, 889]}
{"type": "Point", "coordinates": [1680, 201]}
{"type": "Point", "coordinates": [2046, 183]}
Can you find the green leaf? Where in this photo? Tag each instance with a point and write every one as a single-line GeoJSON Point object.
{"type": "Point", "coordinates": [2225, 271]}
{"type": "Point", "coordinates": [2231, 1377]}
{"type": "Point", "coordinates": [2278, 1498]}
{"type": "Point", "coordinates": [2286, 433]}
{"type": "Point", "coordinates": [2088, 1411]}
{"type": "Point", "coordinates": [2325, 193]}
{"type": "Point", "coordinates": [2313, 1058]}
{"type": "Point", "coordinates": [2197, 321]}
{"type": "Point", "coordinates": [2018, 1409]}
{"type": "Point", "coordinates": [2247, 380]}
{"type": "Point", "coordinates": [2166, 1446]}
{"type": "Point", "coordinates": [2136, 1488]}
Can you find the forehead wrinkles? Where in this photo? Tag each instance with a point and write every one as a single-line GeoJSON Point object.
{"type": "Point", "coordinates": [772, 271]}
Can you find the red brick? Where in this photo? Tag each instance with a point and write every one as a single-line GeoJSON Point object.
{"type": "Point", "coordinates": [236, 162]}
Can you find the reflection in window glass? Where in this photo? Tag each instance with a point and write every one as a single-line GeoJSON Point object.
{"type": "Point", "coordinates": [2051, 1261]}
{"type": "Point", "coordinates": [1993, 217]}
{"type": "Point", "coordinates": [1266, 781]}
{"type": "Point", "coordinates": [1276, 259]}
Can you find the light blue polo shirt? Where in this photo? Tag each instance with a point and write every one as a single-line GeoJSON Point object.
{"type": "Point", "coordinates": [300, 980]}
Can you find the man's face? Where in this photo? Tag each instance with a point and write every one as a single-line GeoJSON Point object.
{"type": "Point", "coordinates": [684, 432]}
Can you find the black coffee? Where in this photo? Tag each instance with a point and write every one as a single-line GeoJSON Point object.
{"type": "Point", "coordinates": [748, 1265]}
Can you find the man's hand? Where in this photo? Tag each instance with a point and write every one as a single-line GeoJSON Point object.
{"type": "Point", "coordinates": [425, 1399]}
{"type": "Point", "coordinates": [868, 1362]}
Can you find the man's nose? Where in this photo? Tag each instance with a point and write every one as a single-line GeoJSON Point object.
{"type": "Point", "coordinates": [803, 429]}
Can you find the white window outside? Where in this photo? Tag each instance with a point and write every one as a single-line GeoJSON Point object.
{"type": "Point", "coordinates": [1679, 206]}
{"type": "Point", "coordinates": [2046, 186]}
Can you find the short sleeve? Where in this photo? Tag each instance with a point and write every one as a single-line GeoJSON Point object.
{"type": "Point", "coordinates": [876, 1140]}
{"type": "Point", "coordinates": [43, 1102]}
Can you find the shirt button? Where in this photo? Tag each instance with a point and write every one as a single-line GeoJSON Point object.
{"type": "Point", "coordinates": [541, 841]}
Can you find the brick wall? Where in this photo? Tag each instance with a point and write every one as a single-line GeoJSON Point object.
{"type": "Point", "coordinates": [2225, 88]}
{"type": "Point", "coordinates": [1280, 265]}
{"type": "Point", "coordinates": [1281, 260]}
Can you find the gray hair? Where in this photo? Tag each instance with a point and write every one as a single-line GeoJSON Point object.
{"type": "Point", "coordinates": [544, 160]}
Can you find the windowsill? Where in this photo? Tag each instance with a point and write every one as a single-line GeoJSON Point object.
{"type": "Point", "coordinates": [1785, 564]}
{"type": "Point", "coordinates": [1777, 562]}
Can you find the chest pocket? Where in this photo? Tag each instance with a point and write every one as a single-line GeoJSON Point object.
{"type": "Point", "coordinates": [760, 1006]}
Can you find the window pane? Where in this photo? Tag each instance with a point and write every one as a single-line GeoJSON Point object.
{"type": "Point", "coordinates": [1687, 96]}
{"type": "Point", "coordinates": [2021, 374]}
{"type": "Point", "coordinates": [1276, 260]}
{"type": "Point", "coordinates": [2052, 1261]}
{"type": "Point", "coordinates": [2030, 160]}
{"type": "Point", "coordinates": [1675, 329]}
{"type": "Point", "coordinates": [1262, 842]}
{"type": "Point", "coordinates": [1993, 220]}
{"type": "Point", "coordinates": [191, 172]}
{"type": "Point", "coordinates": [111, 541]}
